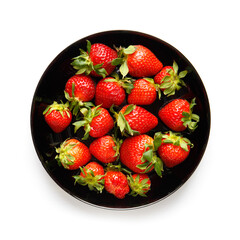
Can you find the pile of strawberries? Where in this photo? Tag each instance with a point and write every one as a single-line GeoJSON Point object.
{"type": "Point", "coordinates": [123, 150]}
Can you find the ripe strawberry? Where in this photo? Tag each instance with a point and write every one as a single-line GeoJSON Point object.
{"type": "Point", "coordinates": [138, 153]}
{"type": "Point", "coordinates": [169, 79]}
{"type": "Point", "coordinates": [91, 175]}
{"type": "Point", "coordinates": [133, 120]}
{"type": "Point", "coordinates": [174, 149]}
{"type": "Point", "coordinates": [178, 116]}
{"type": "Point", "coordinates": [144, 92]}
{"type": "Point", "coordinates": [58, 116]}
{"type": "Point", "coordinates": [79, 89]}
{"type": "Point", "coordinates": [111, 90]}
{"type": "Point", "coordinates": [138, 61]}
{"type": "Point", "coordinates": [116, 183]}
{"type": "Point", "coordinates": [139, 184]}
{"type": "Point", "coordinates": [96, 61]}
{"type": "Point", "coordinates": [97, 122]}
{"type": "Point", "coordinates": [105, 149]}
{"type": "Point", "coordinates": [72, 154]}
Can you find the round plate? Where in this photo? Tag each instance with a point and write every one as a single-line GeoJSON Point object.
{"type": "Point", "coordinates": [51, 88]}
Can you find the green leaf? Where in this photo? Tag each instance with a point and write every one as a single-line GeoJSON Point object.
{"type": "Point", "coordinates": [46, 110]}
{"type": "Point", "coordinates": [186, 114]}
{"type": "Point", "coordinates": [195, 117]}
{"type": "Point", "coordinates": [175, 67]}
{"type": "Point", "coordinates": [182, 74]}
{"type": "Point", "coordinates": [157, 140]}
{"type": "Point", "coordinates": [89, 46]}
{"type": "Point", "coordinates": [129, 50]}
{"type": "Point", "coordinates": [79, 124]}
{"type": "Point", "coordinates": [121, 122]}
{"type": "Point", "coordinates": [143, 166]}
{"type": "Point", "coordinates": [158, 167]}
{"type": "Point", "coordinates": [129, 109]}
{"type": "Point", "coordinates": [82, 70]}
{"type": "Point", "coordinates": [110, 80]}
{"type": "Point", "coordinates": [184, 145]}
{"type": "Point", "coordinates": [165, 85]}
{"type": "Point", "coordinates": [124, 69]}
{"type": "Point", "coordinates": [117, 61]}
{"type": "Point", "coordinates": [169, 91]}
{"type": "Point", "coordinates": [149, 167]}
{"type": "Point", "coordinates": [148, 155]}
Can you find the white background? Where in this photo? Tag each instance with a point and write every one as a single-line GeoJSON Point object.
{"type": "Point", "coordinates": [33, 33]}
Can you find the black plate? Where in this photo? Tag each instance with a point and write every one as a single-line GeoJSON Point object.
{"type": "Point", "coordinates": [50, 88]}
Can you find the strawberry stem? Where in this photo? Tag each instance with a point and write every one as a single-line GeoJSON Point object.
{"type": "Point", "coordinates": [173, 81]}
{"type": "Point", "coordinates": [84, 64]}
{"type": "Point", "coordinates": [190, 120]}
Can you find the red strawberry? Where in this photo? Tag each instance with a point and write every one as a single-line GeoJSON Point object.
{"type": "Point", "coordinates": [97, 122]}
{"type": "Point", "coordinates": [133, 120]}
{"type": "Point", "coordinates": [144, 92]}
{"type": "Point", "coordinates": [138, 61]}
{"type": "Point", "coordinates": [105, 149]}
{"type": "Point", "coordinates": [139, 184]}
{"type": "Point", "coordinates": [111, 91]}
{"type": "Point", "coordinates": [58, 116]}
{"type": "Point", "coordinates": [91, 175]}
{"type": "Point", "coordinates": [138, 153]}
{"type": "Point", "coordinates": [72, 154]}
{"type": "Point", "coordinates": [178, 116]}
{"type": "Point", "coordinates": [174, 149]}
{"type": "Point", "coordinates": [169, 79]}
{"type": "Point", "coordinates": [116, 183]}
{"type": "Point", "coordinates": [96, 61]}
{"type": "Point", "coordinates": [79, 89]}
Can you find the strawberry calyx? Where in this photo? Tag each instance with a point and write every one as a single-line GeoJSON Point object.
{"type": "Point", "coordinates": [174, 138]}
{"type": "Point", "coordinates": [118, 142]}
{"type": "Point", "coordinates": [122, 58]}
{"type": "Point", "coordinates": [94, 182]}
{"type": "Point", "coordinates": [151, 160]}
{"type": "Point", "coordinates": [88, 115]}
{"type": "Point", "coordinates": [173, 81]}
{"type": "Point", "coordinates": [122, 123]}
{"type": "Point", "coordinates": [138, 187]}
{"type": "Point", "coordinates": [190, 120]}
{"type": "Point", "coordinates": [126, 82]}
{"type": "Point", "coordinates": [63, 157]}
{"type": "Point", "coordinates": [75, 104]}
{"type": "Point", "coordinates": [84, 64]}
{"type": "Point", "coordinates": [60, 107]}
{"type": "Point", "coordinates": [117, 168]}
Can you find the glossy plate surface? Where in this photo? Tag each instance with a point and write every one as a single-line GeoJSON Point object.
{"type": "Point", "coordinates": [50, 88]}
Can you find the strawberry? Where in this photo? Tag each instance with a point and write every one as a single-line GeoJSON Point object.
{"type": "Point", "coordinates": [105, 149]}
{"type": "Point", "coordinates": [139, 184]}
{"type": "Point", "coordinates": [169, 79]}
{"type": "Point", "coordinates": [178, 116]}
{"type": "Point", "coordinates": [58, 116]}
{"type": "Point", "coordinates": [79, 89]}
{"type": "Point", "coordinates": [174, 149]}
{"type": "Point", "coordinates": [96, 61]}
{"type": "Point", "coordinates": [72, 154]}
{"type": "Point", "coordinates": [144, 92]}
{"type": "Point", "coordinates": [133, 120]}
{"type": "Point", "coordinates": [97, 122]}
{"type": "Point", "coordinates": [116, 183]}
{"type": "Point", "coordinates": [91, 175]}
{"type": "Point", "coordinates": [138, 61]}
{"type": "Point", "coordinates": [111, 90]}
{"type": "Point", "coordinates": [138, 153]}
